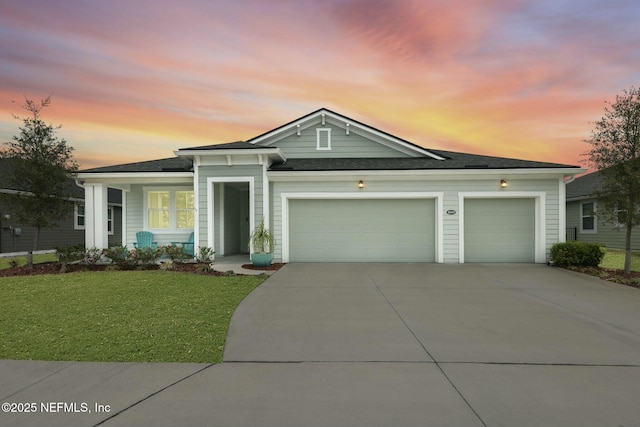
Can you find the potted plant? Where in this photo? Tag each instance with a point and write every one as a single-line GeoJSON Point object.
{"type": "Point", "coordinates": [263, 242]}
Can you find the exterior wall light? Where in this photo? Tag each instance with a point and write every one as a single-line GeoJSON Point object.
{"type": "Point", "coordinates": [361, 184]}
{"type": "Point", "coordinates": [503, 183]}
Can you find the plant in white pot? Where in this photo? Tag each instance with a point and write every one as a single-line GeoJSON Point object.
{"type": "Point", "coordinates": [263, 243]}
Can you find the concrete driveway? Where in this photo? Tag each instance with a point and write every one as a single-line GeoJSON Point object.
{"type": "Point", "coordinates": [389, 345]}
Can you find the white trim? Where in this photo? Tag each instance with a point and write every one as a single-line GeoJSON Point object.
{"type": "Point", "coordinates": [125, 193]}
{"type": "Point", "coordinates": [196, 203]}
{"type": "Point", "coordinates": [438, 196]}
{"type": "Point", "coordinates": [266, 209]}
{"type": "Point", "coordinates": [109, 175]}
{"type": "Point", "coordinates": [319, 131]}
{"type": "Point", "coordinates": [595, 217]}
{"type": "Point", "coordinates": [540, 197]}
{"type": "Point", "coordinates": [421, 174]}
{"type": "Point", "coordinates": [211, 194]}
{"type": "Point", "coordinates": [110, 209]}
{"type": "Point", "coordinates": [228, 152]}
{"type": "Point", "coordinates": [562, 211]}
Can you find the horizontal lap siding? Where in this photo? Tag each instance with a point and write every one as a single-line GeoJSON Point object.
{"type": "Point", "coordinates": [135, 217]}
{"type": "Point", "coordinates": [450, 190]}
{"type": "Point", "coordinates": [342, 145]}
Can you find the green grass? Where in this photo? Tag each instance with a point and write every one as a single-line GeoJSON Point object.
{"type": "Point", "coordinates": [614, 259]}
{"type": "Point", "coordinates": [22, 260]}
{"type": "Point", "coordinates": [137, 316]}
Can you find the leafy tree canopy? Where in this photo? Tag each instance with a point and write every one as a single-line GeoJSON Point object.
{"type": "Point", "coordinates": [615, 152]}
{"type": "Point", "coordinates": [39, 165]}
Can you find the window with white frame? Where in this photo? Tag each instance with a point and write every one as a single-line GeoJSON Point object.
{"type": "Point", "coordinates": [110, 221]}
{"type": "Point", "coordinates": [79, 218]}
{"type": "Point", "coordinates": [323, 138]}
{"type": "Point", "coordinates": [588, 221]}
{"type": "Point", "coordinates": [169, 209]}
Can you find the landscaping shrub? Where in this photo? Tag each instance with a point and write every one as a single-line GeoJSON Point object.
{"type": "Point", "coordinates": [176, 253]}
{"type": "Point", "coordinates": [577, 254]}
{"type": "Point", "coordinates": [204, 254]}
{"type": "Point", "coordinates": [69, 254]}
{"type": "Point", "coordinates": [120, 256]}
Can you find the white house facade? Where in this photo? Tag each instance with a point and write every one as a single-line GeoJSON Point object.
{"type": "Point", "coordinates": [333, 189]}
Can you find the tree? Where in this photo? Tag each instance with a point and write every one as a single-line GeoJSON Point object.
{"type": "Point", "coordinates": [40, 166]}
{"type": "Point", "coordinates": [615, 152]}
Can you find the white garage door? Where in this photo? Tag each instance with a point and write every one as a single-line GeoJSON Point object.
{"type": "Point", "coordinates": [499, 230]}
{"type": "Point", "coordinates": [362, 230]}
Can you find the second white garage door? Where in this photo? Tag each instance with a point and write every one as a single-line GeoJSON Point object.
{"type": "Point", "coordinates": [499, 230]}
{"type": "Point", "coordinates": [362, 230]}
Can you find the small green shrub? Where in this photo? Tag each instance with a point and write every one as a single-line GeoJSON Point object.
{"type": "Point", "coordinates": [69, 254]}
{"type": "Point", "coordinates": [146, 257]}
{"type": "Point", "coordinates": [577, 254]}
{"type": "Point", "coordinates": [204, 254]}
{"type": "Point", "coordinates": [121, 256]}
{"type": "Point", "coordinates": [176, 253]}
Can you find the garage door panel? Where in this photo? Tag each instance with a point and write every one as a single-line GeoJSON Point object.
{"type": "Point", "coordinates": [499, 230]}
{"type": "Point", "coordinates": [362, 230]}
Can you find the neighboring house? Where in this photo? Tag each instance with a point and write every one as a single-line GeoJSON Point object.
{"type": "Point", "coordinates": [334, 189]}
{"type": "Point", "coordinates": [17, 237]}
{"type": "Point", "coordinates": [583, 222]}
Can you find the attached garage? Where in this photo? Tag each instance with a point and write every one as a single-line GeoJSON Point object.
{"type": "Point", "coordinates": [362, 230]}
{"type": "Point", "coordinates": [499, 230]}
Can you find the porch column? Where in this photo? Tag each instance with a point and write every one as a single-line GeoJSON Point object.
{"type": "Point", "coordinates": [95, 211]}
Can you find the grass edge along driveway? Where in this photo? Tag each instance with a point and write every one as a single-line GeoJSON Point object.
{"type": "Point", "coordinates": [132, 316]}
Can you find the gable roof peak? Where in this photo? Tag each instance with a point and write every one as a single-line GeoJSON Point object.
{"type": "Point", "coordinates": [324, 115]}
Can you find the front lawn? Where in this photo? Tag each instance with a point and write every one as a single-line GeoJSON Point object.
{"type": "Point", "coordinates": [614, 259]}
{"type": "Point", "coordinates": [129, 316]}
{"type": "Point", "coordinates": [22, 260]}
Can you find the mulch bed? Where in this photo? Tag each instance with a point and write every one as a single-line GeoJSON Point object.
{"type": "Point", "coordinates": [611, 275]}
{"type": "Point", "coordinates": [272, 267]}
{"type": "Point", "coordinates": [54, 268]}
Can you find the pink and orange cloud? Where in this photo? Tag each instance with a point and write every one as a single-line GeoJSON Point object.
{"type": "Point", "coordinates": [133, 81]}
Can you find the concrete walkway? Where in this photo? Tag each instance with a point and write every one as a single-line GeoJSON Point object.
{"type": "Point", "coordinates": [379, 345]}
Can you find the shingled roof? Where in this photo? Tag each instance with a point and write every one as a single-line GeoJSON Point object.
{"type": "Point", "coordinates": [172, 164]}
{"type": "Point", "coordinates": [584, 186]}
{"type": "Point", "coordinates": [237, 145]}
{"type": "Point", "coordinates": [453, 160]}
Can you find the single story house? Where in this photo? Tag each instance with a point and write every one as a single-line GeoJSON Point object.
{"type": "Point", "coordinates": [18, 237]}
{"type": "Point", "coordinates": [584, 223]}
{"type": "Point", "coordinates": [333, 189]}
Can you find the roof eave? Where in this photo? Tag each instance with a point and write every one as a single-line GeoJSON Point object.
{"type": "Point", "coordinates": [421, 173]}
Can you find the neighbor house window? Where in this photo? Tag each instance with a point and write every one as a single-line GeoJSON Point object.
{"type": "Point", "coordinates": [78, 217]}
{"type": "Point", "coordinates": [323, 139]}
{"type": "Point", "coordinates": [110, 221]}
{"type": "Point", "coordinates": [588, 222]}
{"type": "Point", "coordinates": [169, 209]}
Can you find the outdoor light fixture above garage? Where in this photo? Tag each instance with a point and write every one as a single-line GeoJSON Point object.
{"type": "Point", "coordinates": [503, 183]}
{"type": "Point", "coordinates": [361, 184]}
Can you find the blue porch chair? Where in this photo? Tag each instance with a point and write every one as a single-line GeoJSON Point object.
{"type": "Point", "coordinates": [144, 239]}
{"type": "Point", "coordinates": [188, 245]}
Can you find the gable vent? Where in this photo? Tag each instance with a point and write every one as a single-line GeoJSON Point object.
{"type": "Point", "coordinates": [323, 138]}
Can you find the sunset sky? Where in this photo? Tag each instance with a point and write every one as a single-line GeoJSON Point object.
{"type": "Point", "coordinates": [134, 80]}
